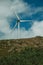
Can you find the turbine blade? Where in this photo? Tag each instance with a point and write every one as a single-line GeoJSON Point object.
{"type": "Point", "coordinates": [17, 16]}
{"type": "Point", "coordinates": [14, 28]}
{"type": "Point", "coordinates": [26, 20]}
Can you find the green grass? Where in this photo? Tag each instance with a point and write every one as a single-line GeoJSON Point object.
{"type": "Point", "coordinates": [28, 56]}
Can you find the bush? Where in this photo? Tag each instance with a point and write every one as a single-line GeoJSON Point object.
{"type": "Point", "coordinates": [29, 56]}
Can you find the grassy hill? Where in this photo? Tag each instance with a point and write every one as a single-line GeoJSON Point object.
{"type": "Point", "coordinates": [22, 51]}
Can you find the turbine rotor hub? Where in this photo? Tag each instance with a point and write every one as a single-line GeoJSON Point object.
{"type": "Point", "coordinates": [18, 20]}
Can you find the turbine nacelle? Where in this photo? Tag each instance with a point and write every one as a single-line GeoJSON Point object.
{"type": "Point", "coordinates": [18, 21]}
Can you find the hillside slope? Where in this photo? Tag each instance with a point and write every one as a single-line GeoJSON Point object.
{"type": "Point", "coordinates": [7, 46]}
{"type": "Point", "coordinates": [22, 51]}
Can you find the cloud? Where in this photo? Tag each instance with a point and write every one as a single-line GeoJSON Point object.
{"type": "Point", "coordinates": [35, 30]}
{"type": "Point", "coordinates": [8, 8]}
{"type": "Point", "coordinates": [31, 10]}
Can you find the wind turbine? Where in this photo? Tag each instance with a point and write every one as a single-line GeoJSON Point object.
{"type": "Point", "coordinates": [18, 22]}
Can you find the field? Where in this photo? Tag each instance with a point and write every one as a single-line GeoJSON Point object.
{"type": "Point", "coordinates": [22, 51]}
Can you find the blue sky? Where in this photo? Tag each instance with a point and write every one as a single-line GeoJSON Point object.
{"type": "Point", "coordinates": [37, 16]}
{"type": "Point", "coordinates": [35, 3]}
{"type": "Point", "coordinates": [26, 10]}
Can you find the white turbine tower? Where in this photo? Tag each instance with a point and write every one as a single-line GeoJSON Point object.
{"type": "Point", "coordinates": [18, 23]}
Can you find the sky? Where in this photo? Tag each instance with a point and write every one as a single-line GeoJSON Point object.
{"type": "Point", "coordinates": [26, 10]}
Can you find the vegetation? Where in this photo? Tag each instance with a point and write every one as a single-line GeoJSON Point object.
{"type": "Point", "coordinates": [21, 52]}
{"type": "Point", "coordinates": [28, 56]}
